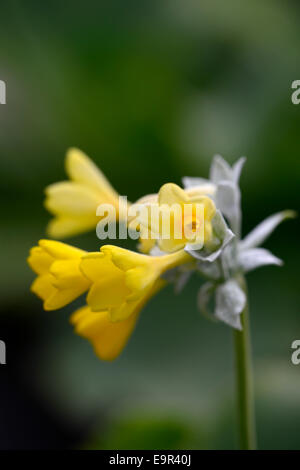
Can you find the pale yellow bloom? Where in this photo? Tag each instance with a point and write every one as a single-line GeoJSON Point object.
{"type": "Point", "coordinates": [146, 240]}
{"type": "Point", "coordinates": [109, 338]}
{"type": "Point", "coordinates": [121, 279]}
{"type": "Point", "coordinates": [74, 203]}
{"type": "Point", "coordinates": [59, 280]}
{"type": "Point", "coordinates": [171, 204]}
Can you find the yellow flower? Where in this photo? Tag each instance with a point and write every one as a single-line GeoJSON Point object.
{"type": "Point", "coordinates": [59, 280]}
{"type": "Point", "coordinates": [108, 338]}
{"type": "Point", "coordinates": [146, 240]}
{"type": "Point", "coordinates": [121, 279]}
{"type": "Point", "coordinates": [74, 203]}
{"type": "Point", "coordinates": [181, 218]}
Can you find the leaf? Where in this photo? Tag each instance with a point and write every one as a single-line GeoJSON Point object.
{"type": "Point", "coordinates": [237, 169]}
{"type": "Point", "coordinates": [255, 257]}
{"type": "Point", "coordinates": [207, 269]}
{"type": "Point", "coordinates": [228, 200]}
{"type": "Point", "coordinates": [222, 236]}
{"type": "Point", "coordinates": [220, 170]}
{"type": "Point", "coordinates": [230, 302]}
{"type": "Point", "coordinates": [265, 228]}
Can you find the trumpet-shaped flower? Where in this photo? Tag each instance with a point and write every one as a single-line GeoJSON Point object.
{"type": "Point", "coordinates": [59, 280]}
{"type": "Point", "coordinates": [74, 203]}
{"type": "Point", "coordinates": [179, 218]}
{"type": "Point", "coordinates": [121, 279]}
{"type": "Point", "coordinates": [109, 338]}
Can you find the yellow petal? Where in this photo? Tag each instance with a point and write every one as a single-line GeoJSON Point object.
{"type": "Point", "coordinates": [140, 278]}
{"type": "Point", "coordinates": [61, 298]}
{"type": "Point", "coordinates": [202, 190]}
{"type": "Point", "coordinates": [42, 286]}
{"type": "Point", "coordinates": [63, 227]}
{"type": "Point", "coordinates": [207, 231]}
{"type": "Point", "coordinates": [170, 194]}
{"type": "Point", "coordinates": [97, 266]}
{"type": "Point", "coordinates": [81, 169]}
{"type": "Point", "coordinates": [107, 293]}
{"type": "Point", "coordinates": [59, 250]}
{"type": "Point", "coordinates": [172, 245]}
{"type": "Point", "coordinates": [209, 206]}
{"type": "Point", "coordinates": [124, 259]}
{"type": "Point", "coordinates": [123, 311]}
{"type": "Point", "coordinates": [67, 274]}
{"type": "Point", "coordinates": [69, 198]}
{"type": "Point", "coordinates": [39, 260]}
{"type": "Point", "coordinates": [107, 338]}
{"type": "Point", "coordinates": [127, 309]}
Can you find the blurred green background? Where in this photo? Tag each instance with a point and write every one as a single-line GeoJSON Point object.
{"type": "Point", "coordinates": [151, 91]}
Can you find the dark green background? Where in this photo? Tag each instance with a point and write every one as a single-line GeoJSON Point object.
{"type": "Point", "coordinates": [151, 91]}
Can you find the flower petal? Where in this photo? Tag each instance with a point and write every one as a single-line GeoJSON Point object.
{"type": "Point", "coordinates": [96, 266]}
{"type": "Point", "coordinates": [108, 292]}
{"type": "Point", "coordinates": [39, 260]}
{"type": "Point", "coordinates": [59, 250]}
{"type": "Point", "coordinates": [61, 298]}
{"type": "Point", "coordinates": [82, 169]}
{"type": "Point", "coordinates": [68, 198]}
{"type": "Point", "coordinates": [42, 286]}
{"type": "Point", "coordinates": [107, 338]}
{"type": "Point", "coordinates": [170, 194]}
{"type": "Point", "coordinates": [67, 226]}
{"type": "Point", "coordinates": [67, 274]}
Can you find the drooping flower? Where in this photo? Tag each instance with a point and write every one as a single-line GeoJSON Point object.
{"type": "Point", "coordinates": [109, 338]}
{"type": "Point", "coordinates": [74, 203]}
{"type": "Point", "coordinates": [121, 279]}
{"type": "Point", "coordinates": [59, 280]}
{"type": "Point", "coordinates": [119, 283]}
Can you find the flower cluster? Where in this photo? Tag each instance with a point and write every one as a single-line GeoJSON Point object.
{"type": "Point", "coordinates": [118, 282]}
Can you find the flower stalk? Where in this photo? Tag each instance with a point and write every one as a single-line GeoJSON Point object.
{"type": "Point", "coordinates": [244, 379]}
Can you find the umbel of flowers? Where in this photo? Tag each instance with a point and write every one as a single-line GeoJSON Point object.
{"type": "Point", "coordinates": [118, 282]}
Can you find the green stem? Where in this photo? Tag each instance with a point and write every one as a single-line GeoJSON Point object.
{"type": "Point", "coordinates": [244, 380]}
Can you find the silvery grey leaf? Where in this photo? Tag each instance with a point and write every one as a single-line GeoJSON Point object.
{"type": "Point", "coordinates": [204, 255]}
{"type": "Point", "coordinates": [205, 294]}
{"type": "Point", "coordinates": [228, 200]}
{"type": "Point", "coordinates": [264, 229]}
{"type": "Point", "coordinates": [222, 236]}
{"type": "Point", "coordinates": [255, 257]}
{"type": "Point", "coordinates": [221, 229]}
{"type": "Point", "coordinates": [220, 170]}
{"type": "Point", "coordinates": [207, 269]}
{"type": "Point", "coordinates": [230, 302]}
{"type": "Point", "coordinates": [237, 169]}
